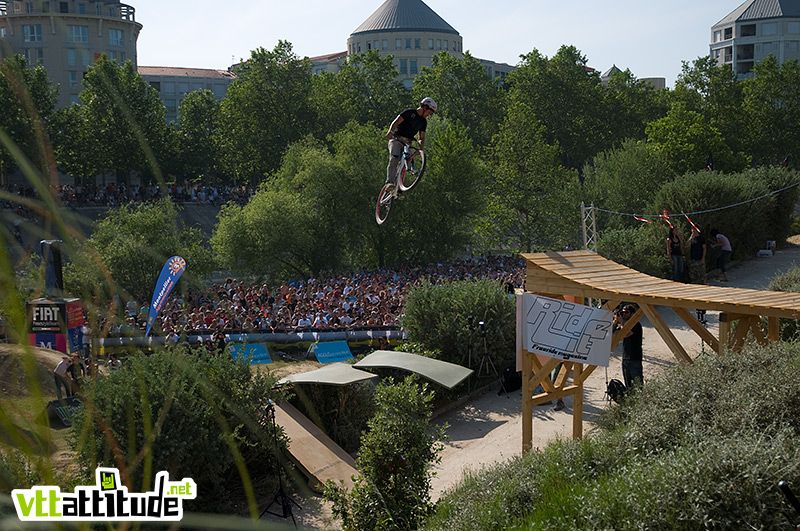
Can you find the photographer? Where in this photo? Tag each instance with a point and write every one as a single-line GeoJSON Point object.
{"type": "Point", "coordinates": [632, 372]}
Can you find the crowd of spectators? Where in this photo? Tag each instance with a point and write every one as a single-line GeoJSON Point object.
{"type": "Point", "coordinates": [112, 194]}
{"type": "Point", "coordinates": [367, 299]}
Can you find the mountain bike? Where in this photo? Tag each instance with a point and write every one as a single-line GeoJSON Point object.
{"type": "Point", "coordinates": [409, 173]}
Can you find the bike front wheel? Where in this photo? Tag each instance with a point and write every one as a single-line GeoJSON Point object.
{"type": "Point", "coordinates": [385, 200]}
{"type": "Point", "coordinates": [411, 173]}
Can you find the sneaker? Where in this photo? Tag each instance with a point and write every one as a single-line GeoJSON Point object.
{"type": "Point", "coordinates": [400, 196]}
{"type": "Point", "coordinates": [390, 188]}
{"type": "Point", "coordinates": [559, 405]}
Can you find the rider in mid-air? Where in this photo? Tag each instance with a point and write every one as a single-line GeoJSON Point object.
{"type": "Point", "coordinates": [403, 129]}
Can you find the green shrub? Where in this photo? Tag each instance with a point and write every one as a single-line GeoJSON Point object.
{"type": "Point", "coordinates": [436, 316]}
{"type": "Point", "coordinates": [199, 417]}
{"type": "Point", "coordinates": [789, 282]}
{"type": "Point", "coordinates": [702, 447]}
{"type": "Point", "coordinates": [397, 453]}
{"type": "Point", "coordinates": [641, 248]}
{"type": "Point", "coordinates": [341, 411]}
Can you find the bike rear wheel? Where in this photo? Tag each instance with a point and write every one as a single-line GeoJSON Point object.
{"type": "Point", "coordinates": [411, 173]}
{"type": "Point", "coordinates": [385, 200]}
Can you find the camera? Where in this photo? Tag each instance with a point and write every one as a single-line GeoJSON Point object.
{"type": "Point", "coordinates": [482, 324]}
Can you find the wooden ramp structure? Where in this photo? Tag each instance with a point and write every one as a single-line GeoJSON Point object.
{"type": "Point", "coordinates": [579, 275]}
{"type": "Point", "coordinates": [312, 451]}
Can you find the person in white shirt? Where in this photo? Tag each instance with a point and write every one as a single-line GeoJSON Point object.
{"type": "Point", "coordinates": [62, 378]}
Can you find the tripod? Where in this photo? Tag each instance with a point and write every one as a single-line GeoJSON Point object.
{"type": "Point", "coordinates": [281, 498]}
{"type": "Point", "coordinates": [486, 361]}
{"type": "Point", "coordinates": [701, 317]}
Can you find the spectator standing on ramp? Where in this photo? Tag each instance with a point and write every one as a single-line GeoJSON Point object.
{"type": "Point", "coordinates": [725, 252]}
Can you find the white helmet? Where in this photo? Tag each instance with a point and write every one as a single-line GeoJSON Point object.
{"type": "Point", "coordinates": [429, 103]}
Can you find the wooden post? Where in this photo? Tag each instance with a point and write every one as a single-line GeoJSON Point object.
{"type": "Point", "coordinates": [527, 401]}
{"type": "Point", "coordinates": [577, 403]}
{"type": "Point", "coordinates": [724, 332]}
{"type": "Point", "coordinates": [774, 326]}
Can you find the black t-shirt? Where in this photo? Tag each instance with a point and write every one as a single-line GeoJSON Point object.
{"type": "Point", "coordinates": [632, 345]}
{"type": "Point", "coordinates": [696, 247]}
{"type": "Point", "coordinates": [412, 123]}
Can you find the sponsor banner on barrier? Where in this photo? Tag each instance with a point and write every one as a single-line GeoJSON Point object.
{"type": "Point", "coordinates": [332, 351]}
{"type": "Point", "coordinates": [170, 273]}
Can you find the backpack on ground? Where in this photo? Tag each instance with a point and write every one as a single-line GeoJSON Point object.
{"type": "Point", "coordinates": [615, 390]}
{"type": "Point", "coordinates": [510, 380]}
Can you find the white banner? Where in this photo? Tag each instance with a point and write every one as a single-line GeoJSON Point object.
{"type": "Point", "coordinates": [565, 330]}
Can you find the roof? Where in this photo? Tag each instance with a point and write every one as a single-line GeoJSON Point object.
{"type": "Point", "coordinates": [178, 71]}
{"type": "Point", "coordinates": [334, 374]}
{"type": "Point", "coordinates": [443, 373]}
{"type": "Point", "coordinates": [405, 15]}
{"type": "Point", "coordinates": [760, 9]}
{"type": "Point", "coordinates": [585, 274]}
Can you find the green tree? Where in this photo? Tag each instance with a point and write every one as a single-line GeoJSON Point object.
{"type": "Point", "coordinates": [129, 247]}
{"type": "Point", "coordinates": [122, 121]}
{"type": "Point", "coordinates": [265, 110]}
{"type": "Point", "coordinates": [397, 454]}
{"type": "Point", "coordinates": [27, 103]}
{"type": "Point", "coordinates": [365, 89]}
{"type": "Point", "coordinates": [631, 104]}
{"type": "Point", "coordinates": [687, 141]}
{"type": "Point", "coordinates": [465, 94]}
{"type": "Point", "coordinates": [312, 214]}
{"type": "Point", "coordinates": [197, 121]}
{"type": "Point", "coordinates": [624, 179]}
{"type": "Point", "coordinates": [534, 201]}
{"type": "Point", "coordinates": [711, 89]}
{"type": "Point", "coordinates": [566, 98]}
{"type": "Point", "coordinates": [772, 108]}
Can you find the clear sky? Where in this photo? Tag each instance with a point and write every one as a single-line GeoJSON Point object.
{"type": "Point", "coordinates": [650, 38]}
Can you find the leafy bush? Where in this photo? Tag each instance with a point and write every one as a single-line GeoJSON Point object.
{"type": "Point", "coordinates": [436, 315]}
{"type": "Point", "coordinates": [789, 282]}
{"type": "Point", "coordinates": [641, 248]}
{"type": "Point", "coordinates": [193, 417]}
{"type": "Point", "coordinates": [702, 447]}
{"type": "Point", "coordinates": [397, 453]}
{"type": "Point", "coordinates": [342, 411]}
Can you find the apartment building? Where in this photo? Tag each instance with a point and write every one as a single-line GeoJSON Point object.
{"type": "Point", "coordinates": [173, 83]}
{"type": "Point", "coordinates": [755, 30]}
{"type": "Point", "coordinates": [66, 36]}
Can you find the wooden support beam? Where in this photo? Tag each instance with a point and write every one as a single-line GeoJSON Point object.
{"type": "Point", "coordinates": [527, 402]}
{"type": "Point", "coordinates": [737, 341]}
{"type": "Point", "coordinates": [665, 333]}
{"type": "Point", "coordinates": [699, 329]}
{"type": "Point", "coordinates": [755, 326]}
{"type": "Point", "coordinates": [577, 403]}
{"type": "Point", "coordinates": [774, 328]}
{"type": "Point", "coordinates": [541, 373]}
{"type": "Point", "coordinates": [724, 332]}
{"type": "Point", "coordinates": [563, 374]}
{"type": "Point", "coordinates": [542, 398]}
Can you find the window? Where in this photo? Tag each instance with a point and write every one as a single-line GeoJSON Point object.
{"type": "Point", "coordinates": [32, 33]}
{"type": "Point", "coordinates": [85, 57]}
{"type": "Point", "coordinates": [46, 7]}
{"type": "Point", "coordinates": [34, 55]}
{"type": "Point", "coordinates": [747, 30]}
{"type": "Point", "coordinates": [73, 99]}
{"type": "Point", "coordinates": [29, 7]}
{"type": "Point", "coordinates": [404, 66]}
{"type": "Point", "coordinates": [17, 7]}
{"type": "Point", "coordinates": [63, 7]}
{"type": "Point", "coordinates": [98, 9]}
{"type": "Point", "coordinates": [72, 57]}
{"type": "Point", "coordinates": [369, 45]}
{"type": "Point", "coordinates": [416, 44]}
{"type": "Point", "coordinates": [408, 44]}
{"type": "Point", "coordinates": [445, 44]}
{"type": "Point", "coordinates": [115, 37]}
{"type": "Point", "coordinates": [82, 9]}
{"type": "Point", "coordinates": [2, 33]}
{"type": "Point", "coordinates": [73, 79]}
{"type": "Point", "coordinates": [78, 34]}
{"type": "Point", "coordinates": [793, 27]}
{"type": "Point", "coordinates": [769, 28]}
{"type": "Point", "coordinates": [385, 44]}
{"type": "Point", "coordinates": [169, 88]}
{"type": "Point", "coordinates": [398, 43]}
{"type": "Point", "coordinates": [728, 33]}
{"type": "Point", "coordinates": [430, 44]}
{"type": "Point", "coordinates": [717, 35]}
{"type": "Point", "coordinates": [183, 87]}
{"type": "Point", "coordinates": [766, 48]}
{"type": "Point", "coordinates": [792, 45]}
{"type": "Point", "coordinates": [413, 67]}
{"type": "Point", "coordinates": [170, 105]}
{"type": "Point", "coordinates": [438, 44]}
{"type": "Point", "coordinates": [375, 44]}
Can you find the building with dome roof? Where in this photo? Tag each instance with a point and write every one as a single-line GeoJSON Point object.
{"type": "Point", "coordinates": [410, 31]}
{"type": "Point", "coordinates": [753, 31]}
